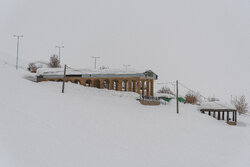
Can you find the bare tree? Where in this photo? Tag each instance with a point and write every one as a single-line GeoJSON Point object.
{"type": "Point", "coordinates": [166, 90]}
{"type": "Point", "coordinates": [240, 104]}
{"type": "Point", "coordinates": [193, 97]}
{"type": "Point", "coordinates": [54, 61]}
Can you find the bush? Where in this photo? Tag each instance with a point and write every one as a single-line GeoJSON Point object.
{"type": "Point", "coordinates": [240, 104]}
{"type": "Point", "coordinates": [54, 61]}
{"type": "Point", "coordinates": [103, 67]}
{"type": "Point", "coordinates": [193, 97]}
{"type": "Point", "coordinates": [32, 67]}
{"type": "Point", "coordinates": [166, 90]}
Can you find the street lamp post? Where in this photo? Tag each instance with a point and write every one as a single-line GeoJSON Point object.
{"type": "Point", "coordinates": [94, 57]}
{"type": "Point", "coordinates": [17, 50]}
{"type": "Point", "coordinates": [59, 50]}
{"type": "Point", "coordinates": [126, 66]}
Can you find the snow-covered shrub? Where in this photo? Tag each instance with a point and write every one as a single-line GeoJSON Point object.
{"type": "Point", "coordinates": [32, 67]}
{"type": "Point", "coordinates": [240, 104]}
{"type": "Point", "coordinates": [193, 97]}
{"type": "Point", "coordinates": [166, 90]}
{"type": "Point", "coordinates": [54, 61]}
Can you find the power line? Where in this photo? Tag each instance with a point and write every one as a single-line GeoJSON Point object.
{"type": "Point", "coordinates": [201, 95]}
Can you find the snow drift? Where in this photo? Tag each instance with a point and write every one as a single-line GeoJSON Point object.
{"type": "Point", "coordinates": [40, 126]}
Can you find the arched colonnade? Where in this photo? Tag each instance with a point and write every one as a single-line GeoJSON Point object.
{"type": "Point", "coordinates": [144, 87]}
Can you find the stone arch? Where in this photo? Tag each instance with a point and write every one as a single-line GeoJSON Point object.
{"type": "Point", "coordinates": [77, 81]}
{"type": "Point", "coordinates": [115, 84]}
{"type": "Point", "coordinates": [144, 87]}
{"type": "Point", "coordinates": [125, 85]}
{"type": "Point", "coordinates": [140, 87]}
{"type": "Point", "coordinates": [106, 83]}
{"type": "Point", "coordinates": [133, 85]}
{"type": "Point", "coordinates": [97, 83]}
{"type": "Point", "coordinates": [88, 83]}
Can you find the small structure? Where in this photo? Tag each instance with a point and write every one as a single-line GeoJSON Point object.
{"type": "Point", "coordinates": [220, 112]}
{"type": "Point", "coordinates": [141, 82]}
{"type": "Point", "coordinates": [168, 97]}
{"type": "Point", "coordinates": [150, 101]}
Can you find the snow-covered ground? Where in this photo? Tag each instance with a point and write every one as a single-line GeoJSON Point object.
{"type": "Point", "coordinates": [88, 127]}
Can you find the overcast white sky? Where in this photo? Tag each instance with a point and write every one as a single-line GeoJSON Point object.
{"type": "Point", "coordinates": [203, 43]}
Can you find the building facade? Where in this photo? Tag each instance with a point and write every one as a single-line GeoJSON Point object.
{"type": "Point", "coordinates": [120, 80]}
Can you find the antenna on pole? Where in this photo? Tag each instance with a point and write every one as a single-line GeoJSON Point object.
{"type": "Point", "coordinates": [126, 66]}
{"type": "Point", "coordinates": [59, 50]}
{"type": "Point", "coordinates": [94, 57]}
{"type": "Point", "coordinates": [17, 50]}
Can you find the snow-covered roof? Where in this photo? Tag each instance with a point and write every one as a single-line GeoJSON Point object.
{"type": "Point", "coordinates": [215, 105]}
{"type": "Point", "coordinates": [46, 71]}
{"type": "Point", "coordinates": [99, 73]}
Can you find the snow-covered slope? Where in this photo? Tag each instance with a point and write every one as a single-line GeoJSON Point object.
{"type": "Point", "coordinates": [41, 127]}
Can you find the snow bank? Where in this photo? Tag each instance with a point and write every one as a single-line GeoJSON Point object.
{"type": "Point", "coordinates": [40, 126]}
{"type": "Point", "coordinates": [215, 105]}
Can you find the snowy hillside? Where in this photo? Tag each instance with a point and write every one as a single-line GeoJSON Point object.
{"type": "Point", "coordinates": [88, 127]}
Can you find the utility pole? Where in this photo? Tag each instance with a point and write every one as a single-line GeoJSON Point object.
{"type": "Point", "coordinates": [59, 49]}
{"type": "Point", "coordinates": [177, 102]}
{"type": "Point", "coordinates": [64, 78]}
{"type": "Point", "coordinates": [126, 66]}
{"type": "Point", "coordinates": [94, 57]}
{"type": "Point", "coordinates": [17, 50]}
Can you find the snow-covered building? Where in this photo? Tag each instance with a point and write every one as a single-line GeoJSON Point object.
{"type": "Point", "coordinates": [131, 80]}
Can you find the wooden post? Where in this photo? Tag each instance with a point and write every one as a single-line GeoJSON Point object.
{"type": "Point", "coordinates": [214, 114]}
{"type": "Point", "coordinates": [64, 78]}
{"type": "Point", "coordinates": [218, 115]}
{"type": "Point", "coordinates": [177, 102]}
{"type": "Point", "coordinates": [151, 87]}
{"type": "Point", "coordinates": [227, 116]}
{"type": "Point", "coordinates": [111, 86]}
{"type": "Point", "coordinates": [236, 116]}
{"type": "Point", "coordinates": [101, 83]}
{"type": "Point", "coordinates": [119, 88]}
{"type": "Point", "coordinates": [129, 86]}
{"type": "Point", "coordinates": [92, 83]}
{"type": "Point", "coordinates": [209, 112]}
{"type": "Point", "coordinates": [138, 86]}
{"type": "Point", "coordinates": [223, 115]}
